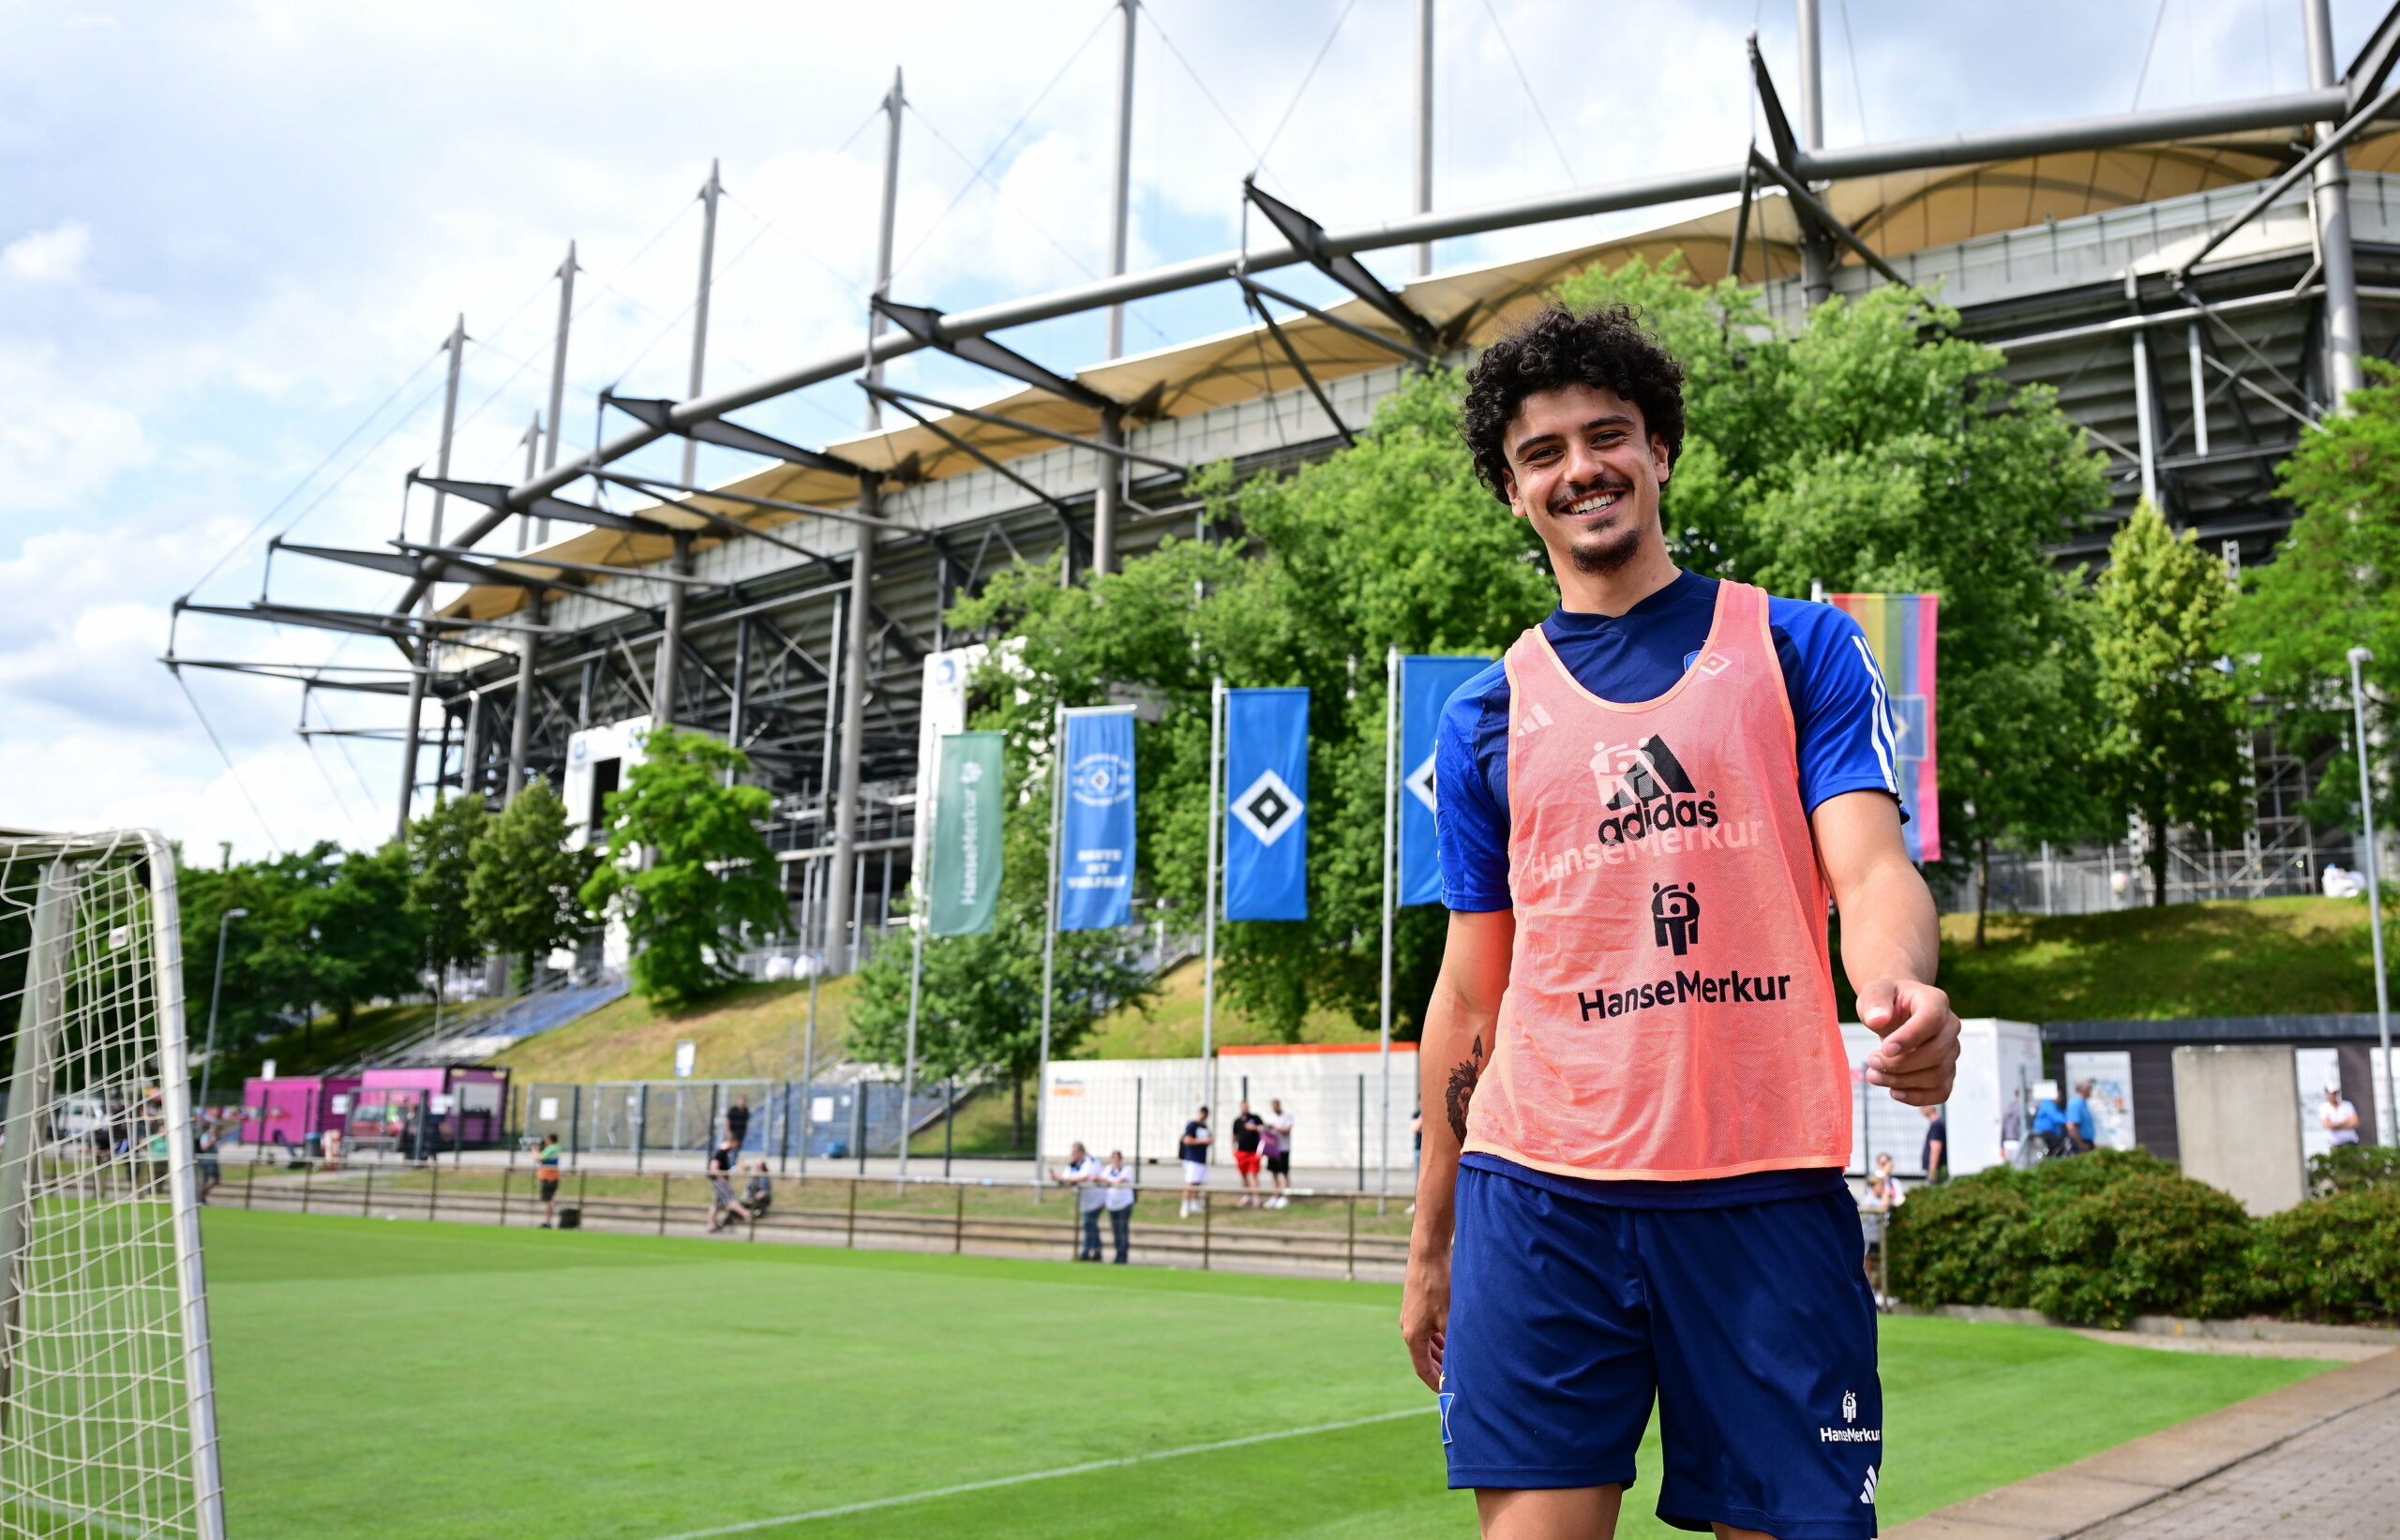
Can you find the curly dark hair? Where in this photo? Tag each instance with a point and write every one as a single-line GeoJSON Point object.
{"type": "Point", "coordinates": [1607, 347]}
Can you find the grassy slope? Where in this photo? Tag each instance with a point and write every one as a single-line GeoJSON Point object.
{"type": "Point", "coordinates": [2279, 956]}
{"type": "Point", "coordinates": [1172, 1029]}
{"type": "Point", "coordinates": [751, 1030]}
{"type": "Point", "coordinates": [651, 1387]}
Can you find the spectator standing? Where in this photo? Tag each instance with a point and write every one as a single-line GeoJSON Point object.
{"type": "Point", "coordinates": [722, 1207]}
{"type": "Point", "coordinates": [1193, 1149]}
{"type": "Point", "coordinates": [1117, 1187]}
{"type": "Point", "coordinates": [1937, 1143]}
{"type": "Point", "coordinates": [2338, 1116]}
{"type": "Point", "coordinates": [1082, 1173]}
{"type": "Point", "coordinates": [760, 1192]}
{"type": "Point", "coordinates": [1279, 1158]}
{"type": "Point", "coordinates": [2050, 1127]}
{"type": "Point", "coordinates": [1891, 1178]}
{"type": "Point", "coordinates": [2080, 1121]}
{"type": "Point", "coordinates": [1247, 1129]}
{"type": "Point", "coordinates": [546, 1166]}
{"type": "Point", "coordinates": [204, 1142]}
{"type": "Point", "coordinates": [332, 1147]}
{"type": "Point", "coordinates": [2012, 1132]}
{"type": "Point", "coordinates": [737, 1121]}
{"type": "Point", "coordinates": [1875, 1215]}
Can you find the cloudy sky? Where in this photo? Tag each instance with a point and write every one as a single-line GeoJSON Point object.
{"type": "Point", "coordinates": [233, 237]}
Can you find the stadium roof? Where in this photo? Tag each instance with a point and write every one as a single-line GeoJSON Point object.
{"type": "Point", "coordinates": [1895, 211]}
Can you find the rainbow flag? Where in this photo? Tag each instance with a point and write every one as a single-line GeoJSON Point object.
{"type": "Point", "coordinates": [1900, 630]}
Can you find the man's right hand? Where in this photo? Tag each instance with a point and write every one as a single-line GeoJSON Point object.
{"type": "Point", "coordinates": [1425, 1314]}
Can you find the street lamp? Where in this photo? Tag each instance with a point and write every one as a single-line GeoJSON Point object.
{"type": "Point", "coordinates": [215, 993]}
{"type": "Point", "coordinates": [2359, 656]}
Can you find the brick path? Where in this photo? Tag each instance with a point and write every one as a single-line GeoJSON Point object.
{"type": "Point", "coordinates": [2315, 1458]}
{"type": "Point", "coordinates": [2335, 1481]}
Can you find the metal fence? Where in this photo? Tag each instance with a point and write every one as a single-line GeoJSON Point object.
{"type": "Point", "coordinates": [1319, 1233]}
{"type": "Point", "coordinates": [841, 1116]}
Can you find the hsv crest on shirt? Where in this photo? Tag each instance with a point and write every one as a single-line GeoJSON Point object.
{"type": "Point", "coordinates": [1670, 1007]}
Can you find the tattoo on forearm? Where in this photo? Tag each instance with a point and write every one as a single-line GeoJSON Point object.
{"type": "Point", "coordinates": [1462, 1087]}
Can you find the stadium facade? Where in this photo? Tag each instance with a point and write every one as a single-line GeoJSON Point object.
{"type": "Point", "coordinates": [2198, 284]}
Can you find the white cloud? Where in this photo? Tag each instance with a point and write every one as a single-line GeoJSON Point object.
{"type": "Point", "coordinates": [48, 256]}
{"type": "Point", "coordinates": [59, 445]}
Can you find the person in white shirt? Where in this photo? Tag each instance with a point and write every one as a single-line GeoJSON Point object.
{"type": "Point", "coordinates": [2338, 1116]}
{"type": "Point", "coordinates": [1116, 1186]}
{"type": "Point", "coordinates": [1279, 1153]}
{"type": "Point", "coordinates": [1082, 1173]}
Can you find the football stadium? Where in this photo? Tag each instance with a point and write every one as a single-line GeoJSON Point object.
{"type": "Point", "coordinates": [1695, 851]}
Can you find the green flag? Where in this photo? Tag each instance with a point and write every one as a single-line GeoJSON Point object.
{"type": "Point", "coordinates": [963, 866]}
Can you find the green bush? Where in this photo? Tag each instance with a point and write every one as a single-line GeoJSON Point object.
{"type": "Point", "coordinates": [2353, 1168]}
{"type": "Point", "coordinates": [2332, 1259]}
{"type": "Point", "coordinates": [2096, 1239]}
{"type": "Point", "coordinates": [1946, 1240]}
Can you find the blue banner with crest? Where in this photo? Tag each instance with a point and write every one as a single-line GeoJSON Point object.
{"type": "Point", "coordinates": [1096, 835]}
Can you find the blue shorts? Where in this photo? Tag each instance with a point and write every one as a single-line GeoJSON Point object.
{"type": "Point", "coordinates": [1753, 1326]}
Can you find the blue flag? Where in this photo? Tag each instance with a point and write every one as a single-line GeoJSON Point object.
{"type": "Point", "coordinates": [1266, 815]}
{"type": "Point", "coordinates": [1427, 682]}
{"type": "Point", "coordinates": [1096, 843]}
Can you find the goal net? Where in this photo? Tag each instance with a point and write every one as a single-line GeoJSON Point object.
{"type": "Point", "coordinates": [106, 1421]}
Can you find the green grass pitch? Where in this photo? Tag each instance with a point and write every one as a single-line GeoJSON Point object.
{"type": "Point", "coordinates": [441, 1381]}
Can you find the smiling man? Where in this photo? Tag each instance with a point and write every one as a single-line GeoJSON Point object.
{"type": "Point", "coordinates": [1633, 1185]}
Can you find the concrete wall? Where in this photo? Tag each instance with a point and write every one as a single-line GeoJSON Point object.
{"type": "Point", "coordinates": [2233, 1111]}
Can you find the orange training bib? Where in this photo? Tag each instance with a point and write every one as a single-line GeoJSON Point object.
{"type": "Point", "coordinates": [1669, 1012]}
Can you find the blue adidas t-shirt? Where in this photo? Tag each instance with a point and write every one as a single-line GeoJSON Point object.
{"type": "Point", "coordinates": [1846, 743]}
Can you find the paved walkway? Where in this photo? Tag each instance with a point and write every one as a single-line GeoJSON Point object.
{"type": "Point", "coordinates": [2335, 1482]}
{"type": "Point", "coordinates": [2313, 1459]}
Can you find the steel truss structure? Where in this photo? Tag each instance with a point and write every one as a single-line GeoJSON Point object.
{"type": "Point", "coordinates": [2195, 304]}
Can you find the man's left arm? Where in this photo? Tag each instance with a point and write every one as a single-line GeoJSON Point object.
{"type": "Point", "coordinates": [1890, 944]}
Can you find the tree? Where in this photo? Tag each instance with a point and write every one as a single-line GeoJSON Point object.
{"type": "Point", "coordinates": [1391, 544]}
{"type": "Point", "coordinates": [980, 1010]}
{"type": "Point", "coordinates": [439, 862]}
{"type": "Point", "coordinates": [2334, 584]}
{"type": "Point", "coordinates": [686, 866]}
{"type": "Point", "coordinates": [332, 931]}
{"type": "Point", "coordinates": [524, 887]}
{"type": "Point", "coordinates": [2170, 746]}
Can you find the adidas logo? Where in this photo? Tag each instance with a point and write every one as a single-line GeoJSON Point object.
{"type": "Point", "coordinates": [1534, 720]}
{"type": "Point", "coordinates": [1866, 1494]}
{"type": "Point", "coordinates": [1646, 788]}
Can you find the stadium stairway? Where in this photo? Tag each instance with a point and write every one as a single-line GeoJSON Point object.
{"type": "Point", "coordinates": [489, 1032]}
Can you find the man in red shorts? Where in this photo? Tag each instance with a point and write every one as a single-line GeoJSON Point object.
{"type": "Point", "coordinates": [1247, 1129]}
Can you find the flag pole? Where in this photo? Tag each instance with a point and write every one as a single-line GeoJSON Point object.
{"type": "Point", "coordinates": [921, 888]}
{"type": "Point", "coordinates": [1050, 930]}
{"type": "Point", "coordinates": [1209, 924]}
{"type": "Point", "coordinates": [1391, 820]}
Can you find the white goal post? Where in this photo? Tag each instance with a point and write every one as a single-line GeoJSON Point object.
{"type": "Point", "coordinates": [107, 1410]}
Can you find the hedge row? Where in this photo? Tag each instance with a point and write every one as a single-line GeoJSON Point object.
{"type": "Point", "coordinates": [2111, 1236]}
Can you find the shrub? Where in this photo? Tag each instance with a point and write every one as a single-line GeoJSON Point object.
{"type": "Point", "coordinates": [2096, 1239]}
{"type": "Point", "coordinates": [1946, 1240]}
{"type": "Point", "coordinates": [2353, 1168]}
{"type": "Point", "coordinates": [2148, 1244]}
{"type": "Point", "coordinates": [2332, 1259]}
